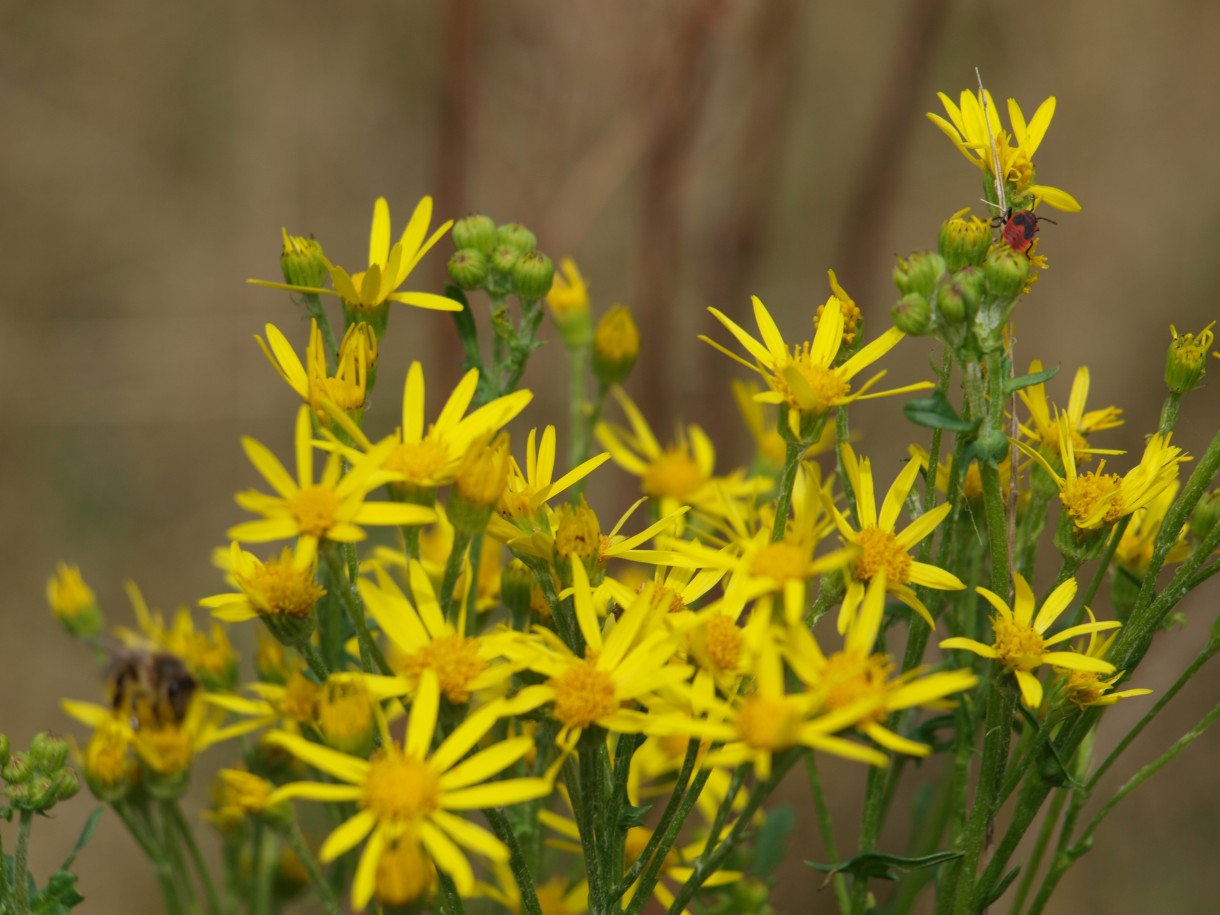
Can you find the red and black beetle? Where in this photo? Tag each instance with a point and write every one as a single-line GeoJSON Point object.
{"type": "Point", "coordinates": [1019, 228]}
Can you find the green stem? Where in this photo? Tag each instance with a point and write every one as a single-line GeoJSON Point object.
{"type": "Point", "coordinates": [173, 812]}
{"type": "Point", "coordinates": [21, 863]}
{"type": "Point", "coordinates": [588, 808]}
{"type": "Point", "coordinates": [1208, 652]}
{"type": "Point", "coordinates": [870, 828]}
{"type": "Point", "coordinates": [1001, 700]}
{"type": "Point", "coordinates": [516, 862]}
{"type": "Point", "coordinates": [313, 307]}
{"type": "Point", "coordinates": [296, 841]}
{"type": "Point", "coordinates": [783, 499]}
{"type": "Point", "coordinates": [826, 825]}
{"type": "Point", "coordinates": [453, 901]}
{"type": "Point", "coordinates": [997, 529]}
{"type": "Point", "coordinates": [263, 870]}
{"type": "Point", "coordinates": [140, 830]}
{"type": "Point", "coordinates": [453, 570]}
{"type": "Point", "coordinates": [710, 862]}
{"type": "Point", "coordinates": [1169, 413]}
{"type": "Point", "coordinates": [6, 897]}
{"type": "Point", "coordinates": [371, 655]}
{"type": "Point", "coordinates": [582, 430]}
{"type": "Point", "coordinates": [173, 853]}
{"type": "Point", "coordinates": [1030, 868]}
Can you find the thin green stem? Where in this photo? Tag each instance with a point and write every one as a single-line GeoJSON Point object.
{"type": "Point", "coordinates": [783, 498]}
{"type": "Point", "coordinates": [450, 601]}
{"type": "Point", "coordinates": [826, 825]}
{"type": "Point", "coordinates": [140, 830]}
{"type": "Point", "coordinates": [296, 841]}
{"type": "Point", "coordinates": [870, 828]}
{"type": "Point", "coordinates": [263, 870]}
{"type": "Point", "coordinates": [452, 899]}
{"type": "Point", "coordinates": [172, 811]}
{"type": "Point", "coordinates": [313, 307]}
{"type": "Point", "coordinates": [1030, 869]}
{"type": "Point", "coordinates": [371, 655]}
{"type": "Point", "coordinates": [21, 864]}
{"type": "Point", "coordinates": [589, 811]}
{"type": "Point", "coordinates": [6, 897]}
{"type": "Point", "coordinates": [997, 529]}
{"type": "Point", "coordinates": [1001, 700]}
{"type": "Point", "coordinates": [581, 429]}
{"type": "Point", "coordinates": [516, 862]}
{"type": "Point", "coordinates": [1169, 413]}
{"type": "Point", "coordinates": [172, 849]}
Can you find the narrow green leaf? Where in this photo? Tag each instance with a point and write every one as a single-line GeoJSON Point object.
{"type": "Point", "coordinates": [772, 841]}
{"type": "Point", "coordinates": [1012, 385]}
{"type": "Point", "coordinates": [998, 890]}
{"type": "Point", "coordinates": [85, 834]}
{"type": "Point", "coordinates": [935, 412]}
{"type": "Point", "coordinates": [883, 866]}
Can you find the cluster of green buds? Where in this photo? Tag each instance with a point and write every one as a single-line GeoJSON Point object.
{"type": "Point", "coordinates": [503, 260]}
{"type": "Point", "coordinates": [38, 778]}
{"type": "Point", "coordinates": [964, 293]}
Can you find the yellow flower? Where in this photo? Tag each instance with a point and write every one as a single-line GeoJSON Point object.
{"type": "Point", "coordinates": [275, 588]}
{"type": "Point", "coordinates": [410, 792]}
{"type": "Point", "coordinates": [424, 456]}
{"type": "Point", "coordinates": [569, 295]}
{"type": "Point", "coordinates": [881, 547]}
{"type": "Point", "coordinates": [770, 449]}
{"type": "Point", "coordinates": [1134, 550]}
{"type": "Point", "coordinates": [1084, 688]}
{"type": "Point", "coordinates": [209, 655]}
{"type": "Point", "coordinates": [680, 473]}
{"type": "Point", "coordinates": [529, 490]}
{"type": "Point", "coordinates": [804, 376]}
{"type": "Point", "coordinates": [973, 132]}
{"type": "Point", "coordinates": [347, 388]}
{"type": "Point", "coordinates": [857, 673]}
{"type": "Point", "coordinates": [388, 267]}
{"type": "Point", "coordinates": [425, 640]}
{"type": "Point", "coordinates": [1020, 638]}
{"type": "Point", "coordinates": [616, 343]}
{"type": "Point", "coordinates": [1186, 361]}
{"type": "Point", "coordinates": [73, 603]}
{"type": "Point", "coordinates": [331, 509]}
{"type": "Point", "coordinates": [1043, 427]}
{"type": "Point", "coordinates": [615, 670]}
{"type": "Point", "coordinates": [1097, 499]}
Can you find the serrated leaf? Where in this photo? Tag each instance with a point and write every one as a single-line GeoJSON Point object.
{"type": "Point", "coordinates": [883, 866]}
{"type": "Point", "coordinates": [772, 841]}
{"type": "Point", "coordinates": [998, 890]}
{"type": "Point", "coordinates": [85, 834]}
{"type": "Point", "coordinates": [1012, 385]}
{"type": "Point", "coordinates": [935, 412]}
{"type": "Point", "coordinates": [633, 816]}
{"type": "Point", "coordinates": [59, 896]}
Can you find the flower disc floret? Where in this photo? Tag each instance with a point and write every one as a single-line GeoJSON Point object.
{"type": "Point", "coordinates": [781, 561]}
{"type": "Point", "coordinates": [880, 550]}
{"type": "Point", "coordinates": [673, 474]}
{"type": "Point", "coordinates": [456, 661]}
{"type": "Point", "coordinates": [768, 723]}
{"type": "Point", "coordinates": [1017, 647]}
{"type": "Point", "coordinates": [724, 642]}
{"type": "Point", "coordinates": [400, 788]}
{"type": "Point", "coordinates": [852, 677]}
{"type": "Point", "coordinates": [583, 694]}
{"type": "Point", "coordinates": [314, 509]}
{"type": "Point", "coordinates": [1083, 495]}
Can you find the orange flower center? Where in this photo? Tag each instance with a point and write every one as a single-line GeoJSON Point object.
{"type": "Point", "coordinates": [1084, 495]}
{"type": "Point", "coordinates": [583, 694]}
{"type": "Point", "coordinates": [400, 788]}
{"type": "Point", "coordinates": [781, 562]}
{"type": "Point", "coordinates": [825, 388]}
{"type": "Point", "coordinates": [277, 589]}
{"type": "Point", "coordinates": [851, 677]}
{"type": "Point", "coordinates": [723, 645]}
{"type": "Point", "coordinates": [314, 509]}
{"type": "Point", "coordinates": [1018, 647]}
{"type": "Point", "coordinates": [880, 551]}
{"type": "Point", "coordinates": [674, 474]}
{"type": "Point", "coordinates": [456, 661]}
{"type": "Point", "coordinates": [422, 463]}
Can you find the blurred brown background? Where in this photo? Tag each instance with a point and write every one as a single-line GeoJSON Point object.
{"type": "Point", "coordinates": [687, 153]}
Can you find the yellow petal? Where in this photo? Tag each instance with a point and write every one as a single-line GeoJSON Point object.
{"type": "Point", "coordinates": [347, 836]}
{"type": "Point", "coordinates": [379, 235]}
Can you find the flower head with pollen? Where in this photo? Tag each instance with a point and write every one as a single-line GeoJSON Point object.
{"type": "Point", "coordinates": [413, 792]}
{"type": "Point", "coordinates": [522, 503]}
{"type": "Point", "coordinates": [421, 456]}
{"type": "Point", "coordinates": [312, 381]}
{"type": "Point", "coordinates": [1021, 644]}
{"type": "Point", "coordinates": [1096, 499]}
{"type": "Point", "coordinates": [1043, 427]}
{"type": "Point", "coordinates": [859, 676]}
{"type": "Point", "coordinates": [616, 669]}
{"type": "Point", "coordinates": [1084, 688]}
{"type": "Point", "coordinates": [973, 131]}
{"type": "Point", "coordinates": [679, 473]}
{"type": "Point", "coordinates": [770, 448]}
{"type": "Point", "coordinates": [423, 640]}
{"type": "Point", "coordinates": [332, 509]}
{"type": "Point", "coordinates": [881, 547]}
{"type": "Point", "coordinates": [389, 266]}
{"type": "Point", "coordinates": [805, 378]}
{"type": "Point", "coordinates": [279, 587]}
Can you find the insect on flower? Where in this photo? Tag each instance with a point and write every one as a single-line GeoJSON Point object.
{"type": "Point", "coordinates": [1019, 228]}
{"type": "Point", "coordinates": [152, 686]}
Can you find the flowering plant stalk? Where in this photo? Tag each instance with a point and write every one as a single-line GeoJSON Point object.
{"type": "Point", "coordinates": [469, 697]}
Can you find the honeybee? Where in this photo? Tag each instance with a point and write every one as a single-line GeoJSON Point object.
{"type": "Point", "coordinates": [153, 686]}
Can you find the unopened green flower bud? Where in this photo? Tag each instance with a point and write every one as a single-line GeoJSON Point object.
{"type": "Point", "coordinates": [475, 231]}
{"type": "Point", "coordinates": [516, 236]}
{"type": "Point", "coordinates": [18, 769]}
{"type": "Point", "coordinates": [302, 261]}
{"type": "Point", "coordinates": [504, 258]}
{"type": "Point", "coordinates": [964, 240]}
{"type": "Point", "coordinates": [912, 314]}
{"type": "Point", "coordinates": [48, 752]}
{"type": "Point", "coordinates": [992, 446]}
{"type": "Point", "coordinates": [41, 794]}
{"type": "Point", "coordinates": [479, 482]}
{"type": "Point", "coordinates": [67, 784]}
{"type": "Point", "coordinates": [1206, 515]}
{"type": "Point", "coordinates": [532, 276]}
{"type": "Point", "coordinates": [1186, 361]}
{"type": "Point", "coordinates": [616, 343]}
{"type": "Point", "coordinates": [921, 272]}
{"type": "Point", "coordinates": [951, 304]}
{"type": "Point", "coordinates": [468, 268]}
{"type": "Point", "coordinates": [1005, 272]}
